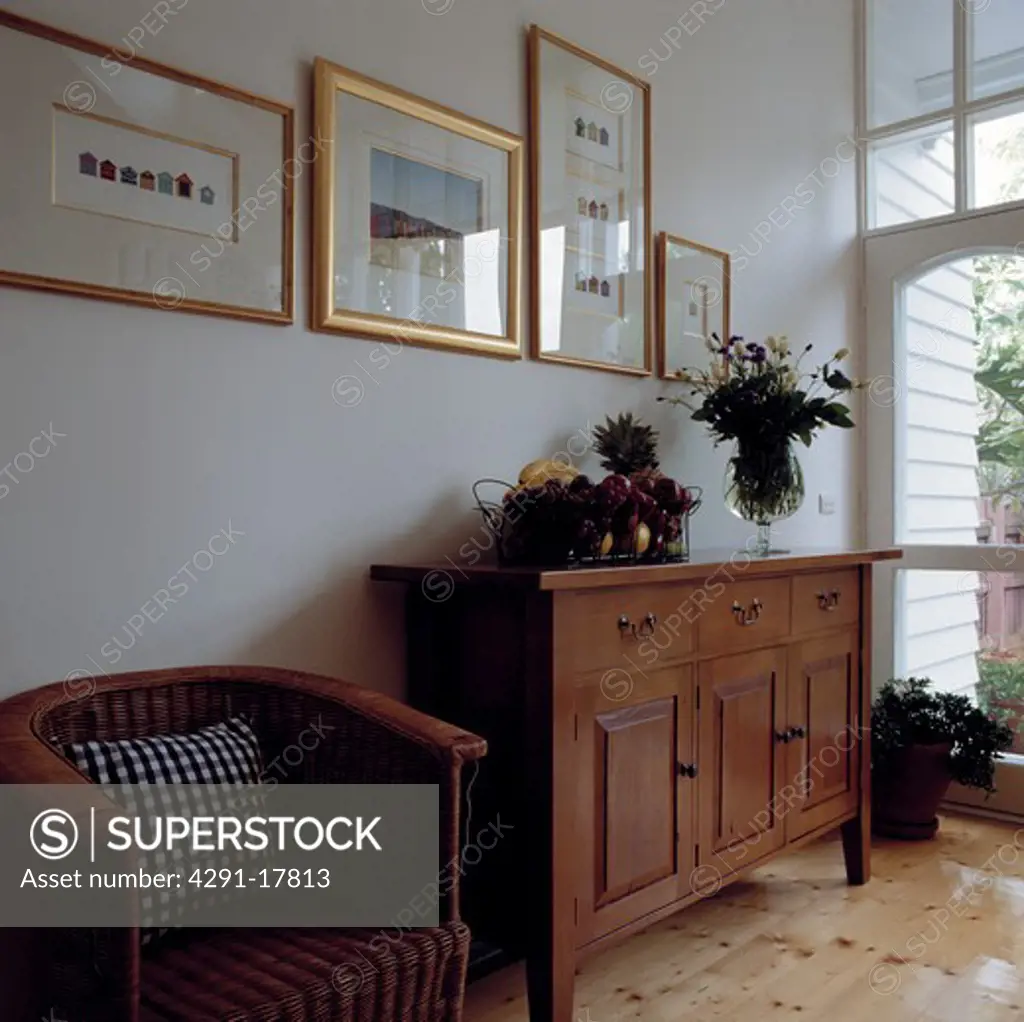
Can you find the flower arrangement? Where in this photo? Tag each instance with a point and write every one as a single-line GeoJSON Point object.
{"type": "Point", "coordinates": [757, 396]}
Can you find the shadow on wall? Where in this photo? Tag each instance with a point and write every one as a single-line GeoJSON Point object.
{"type": "Point", "coordinates": [354, 628]}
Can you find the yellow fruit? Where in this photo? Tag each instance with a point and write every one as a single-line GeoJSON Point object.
{"type": "Point", "coordinates": [606, 544]}
{"type": "Point", "coordinates": [538, 472]}
{"type": "Point", "coordinates": [642, 538]}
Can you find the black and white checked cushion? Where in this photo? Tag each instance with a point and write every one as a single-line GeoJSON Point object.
{"type": "Point", "coordinates": [225, 755]}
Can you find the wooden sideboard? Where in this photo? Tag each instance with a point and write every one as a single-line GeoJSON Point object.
{"type": "Point", "coordinates": [653, 730]}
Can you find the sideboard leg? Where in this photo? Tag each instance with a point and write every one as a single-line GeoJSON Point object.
{"type": "Point", "coordinates": [551, 781]}
{"type": "Point", "coordinates": [550, 984]}
{"type": "Point", "coordinates": [857, 849]}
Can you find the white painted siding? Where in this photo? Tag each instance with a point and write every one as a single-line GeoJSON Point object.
{"type": "Point", "coordinates": [912, 180]}
{"type": "Point", "coordinates": [909, 66]}
{"type": "Point", "coordinates": [939, 636]}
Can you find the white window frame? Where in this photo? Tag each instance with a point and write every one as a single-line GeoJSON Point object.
{"type": "Point", "coordinates": [960, 113]}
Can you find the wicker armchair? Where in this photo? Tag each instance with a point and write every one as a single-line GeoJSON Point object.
{"type": "Point", "coordinates": [298, 975]}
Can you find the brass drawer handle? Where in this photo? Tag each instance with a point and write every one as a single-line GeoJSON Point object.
{"type": "Point", "coordinates": [747, 615]}
{"type": "Point", "coordinates": [646, 626]}
{"type": "Point", "coordinates": [828, 601]}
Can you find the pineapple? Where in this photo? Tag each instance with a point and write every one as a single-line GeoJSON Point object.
{"type": "Point", "coordinates": [627, 446]}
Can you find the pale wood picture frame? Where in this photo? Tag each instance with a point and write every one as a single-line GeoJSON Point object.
{"type": "Point", "coordinates": [635, 89]}
{"type": "Point", "coordinates": [722, 284]}
{"type": "Point", "coordinates": [182, 287]}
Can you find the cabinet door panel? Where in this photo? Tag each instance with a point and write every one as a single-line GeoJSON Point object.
{"type": "Point", "coordinates": [635, 769]}
{"type": "Point", "coordinates": [636, 817]}
{"type": "Point", "coordinates": [824, 767]}
{"type": "Point", "coordinates": [743, 709]}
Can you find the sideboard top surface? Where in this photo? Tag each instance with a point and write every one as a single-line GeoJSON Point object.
{"type": "Point", "coordinates": [703, 565]}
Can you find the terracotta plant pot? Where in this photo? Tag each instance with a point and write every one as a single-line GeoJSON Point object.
{"type": "Point", "coordinates": [904, 801]}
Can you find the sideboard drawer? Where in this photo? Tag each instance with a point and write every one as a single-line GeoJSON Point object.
{"type": "Point", "coordinates": [647, 624]}
{"type": "Point", "coordinates": [825, 600]}
{"type": "Point", "coordinates": [745, 615]}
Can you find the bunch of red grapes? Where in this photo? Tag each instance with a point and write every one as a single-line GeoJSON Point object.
{"type": "Point", "coordinates": [562, 522]}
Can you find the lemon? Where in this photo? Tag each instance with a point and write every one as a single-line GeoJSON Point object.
{"type": "Point", "coordinates": [538, 472]}
{"type": "Point", "coordinates": [642, 538]}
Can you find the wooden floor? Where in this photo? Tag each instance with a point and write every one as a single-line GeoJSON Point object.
{"type": "Point", "coordinates": [936, 934]}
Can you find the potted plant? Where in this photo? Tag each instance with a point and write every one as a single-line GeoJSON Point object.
{"type": "Point", "coordinates": [1001, 692]}
{"type": "Point", "coordinates": [757, 397]}
{"type": "Point", "coordinates": [921, 741]}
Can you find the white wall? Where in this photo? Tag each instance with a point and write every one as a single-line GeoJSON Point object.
{"type": "Point", "coordinates": [177, 425]}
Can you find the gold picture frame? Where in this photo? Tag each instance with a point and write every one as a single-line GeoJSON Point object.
{"type": "Point", "coordinates": [331, 80]}
{"type": "Point", "coordinates": [700, 286]}
{"type": "Point", "coordinates": [627, 85]}
{"type": "Point", "coordinates": [101, 84]}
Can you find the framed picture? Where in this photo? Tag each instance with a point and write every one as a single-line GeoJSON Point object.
{"type": "Point", "coordinates": [693, 303]}
{"type": "Point", "coordinates": [139, 183]}
{"type": "Point", "coordinates": [590, 202]}
{"type": "Point", "coordinates": [417, 220]}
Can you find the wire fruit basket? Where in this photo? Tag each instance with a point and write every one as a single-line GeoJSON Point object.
{"type": "Point", "coordinates": [585, 525]}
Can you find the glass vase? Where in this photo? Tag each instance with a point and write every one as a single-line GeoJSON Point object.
{"type": "Point", "coordinates": [764, 484]}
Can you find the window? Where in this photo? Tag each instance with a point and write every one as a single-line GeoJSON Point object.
{"type": "Point", "coordinates": [910, 53]}
{"type": "Point", "coordinates": [943, 107]}
{"type": "Point", "coordinates": [959, 481]}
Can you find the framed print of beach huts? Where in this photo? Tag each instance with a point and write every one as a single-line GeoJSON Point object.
{"type": "Point", "coordinates": [591, 249]}
{"type": "Point", "coordinates": [81, 180]}
{"type": "Point", "coordinates": [140, 183]}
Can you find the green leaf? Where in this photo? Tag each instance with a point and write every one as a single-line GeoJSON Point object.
{"type": "Point", "coordinates": [838, 380]}
{"type": "Point", "coordinates": [1000, 319]}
